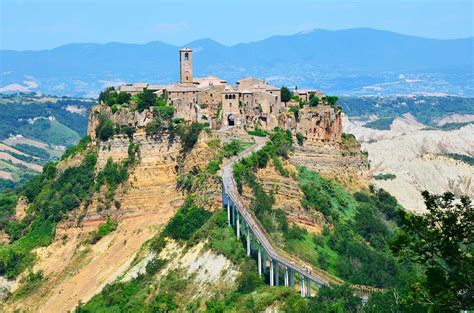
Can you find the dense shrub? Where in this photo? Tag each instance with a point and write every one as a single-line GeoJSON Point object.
{"type": "Point", "coordinates": [8, 202]}
{"type": "Point", "coordinates": [81, 146]}
{"type": "Point", "coordinates": [186, 221]}
{"type": "Point", "coordinates": [110, 97]}
{"type": "Point", "coordinates": [189, 134]}
{"type": "Point", "coordinates": [248, 279]}
{"type": "Point", "coordinates": [300, 138]}
{"type": "Point", "coordinates": [105, 128]}
{"type": "Point", "coordinates": [285, 94]}
{"type": "Point", "coordinates": [257, 132]}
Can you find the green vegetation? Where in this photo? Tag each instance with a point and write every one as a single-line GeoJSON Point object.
{"type": "Point", "coordinates": [384, 176]}
{"type": "Point", "coordinates": [279, 146]}
{"type": "Point", "coordinates": [296, 111]}
{"type": "Point", "coordinates": [110, 97]}
{"type": "Point", "coordinates": [300, 138]}
{"type": "Point", "coordinates": [112, 175]}
{"type": "Point", "coordinates": [426, 109]}
{"type": "Point", "coordinates": [33, 151]}
{"type": "Point", "coordinates": [186, 221]}
{"type": "Point", "coordinates": [313, 100]}
{"type": "Point", "coordinates": [189, 134]}
{"type": "Point", "coordinates": [103, 230]}
{"type": "Point", "coordinates": [383, 123]}
{"type": "Point", "coordinates": [51, 131]}
{"type": "Point", "coordinates": [442, 241]}
{"type": "Point", "coordinates": [31, 282]}
{"type": "Point", "coordinates": [51, 196]}
{"type": "Point", "coordinates": [451, 126]}
{"type": "Point", "coordinates": [461, 157]}
{"type": "Point", "coordinates": [356, 248]}
{"type": "Point", "coordinates": [286, 94]}
{"type": "Point", "coordinates": [105, 128]}
{"type": "Point", "coordinates": [8, 202]}
{"type": "Point", "coordinates": [18, 109]}
{"type": "Point", "coordinates": [257, 132]}
{"type": "Point", "coordinates": [80, 147]}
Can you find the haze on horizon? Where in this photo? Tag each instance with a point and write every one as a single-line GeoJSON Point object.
{"type": "Point", "coordinates": [46, 24]}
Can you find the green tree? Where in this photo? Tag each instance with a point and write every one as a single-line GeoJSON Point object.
{"type": "Point", "coordinates": [105, 129]}
{"type": "Point", "coordinates": [146, 99]}
{"type": "Point", "coordinates": [285, 94]}
{"type": "Point", "coordinates": [442, 240]}
{"type": "Point", "coordinates": [314, 101]}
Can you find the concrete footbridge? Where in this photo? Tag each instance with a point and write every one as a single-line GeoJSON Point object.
{"type": "Point", "coordinates": [268, 259]}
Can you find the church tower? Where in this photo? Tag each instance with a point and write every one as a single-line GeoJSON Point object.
{"type": "Point", "coordinates": [186, 65]}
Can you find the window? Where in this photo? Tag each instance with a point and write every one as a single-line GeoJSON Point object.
{"type": "Point", "coordinates": [186, 57]}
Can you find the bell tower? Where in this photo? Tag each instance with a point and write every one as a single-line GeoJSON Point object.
{"type": "Point", "coordinates": [186, 65]}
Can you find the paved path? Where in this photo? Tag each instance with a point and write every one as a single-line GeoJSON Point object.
{"type": "Point", "coordinates": [230, 189]}
{"type": "Point", "coordinates": [320, 278]}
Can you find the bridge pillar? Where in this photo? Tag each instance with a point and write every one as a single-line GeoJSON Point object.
{"type": "Point", "coordinates": [272, 274]}
{"type": "Point", "coordinates": [277, 274]}
{"type": "Point", "coordinates": [248, 240]}
{"type": "Point", "coordinates": [264, 261]}
{"type": "Point", "coordinates": [308, 292]}
{"type": "Point", "coordinates": [238, 225]}
{"type": "Point", "coordinates": [286, 277]}
{"type": "Point", "coordinates": [255, 244]}
{"type": "Point", "coordinates": [233, 214]}
{"type": "Point", "coordinates": [228, 210]}
{"type": "Point", "coordinates": [259, 252]}
{"type": "Point", "coordinates": [292, 278]}
{"type": "Point", "coordinates": [302, 279]}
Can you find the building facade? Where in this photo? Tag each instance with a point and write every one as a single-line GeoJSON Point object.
{"type": "Point", "coordinates": [251, 103]}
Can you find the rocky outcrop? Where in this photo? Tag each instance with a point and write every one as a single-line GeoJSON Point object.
{"type": "Point", "coordinates": [319, 125]}
{"type": "Point", "coordinates": [124, 117]}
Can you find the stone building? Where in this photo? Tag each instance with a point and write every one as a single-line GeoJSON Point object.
{"type": "Point", "coordinates": [251, 103]}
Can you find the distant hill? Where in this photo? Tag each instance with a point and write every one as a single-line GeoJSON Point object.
{"type": "Point", "coordinates": [354, 61]}
{"type": "Point", "coordinates": [35, 130]}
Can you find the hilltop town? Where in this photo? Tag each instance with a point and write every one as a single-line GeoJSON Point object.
{"type": "Point", "coordinates": [251, 104]}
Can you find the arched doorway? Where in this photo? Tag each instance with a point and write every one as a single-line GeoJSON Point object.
{"type": "Point", "coordinates": [230, 120]}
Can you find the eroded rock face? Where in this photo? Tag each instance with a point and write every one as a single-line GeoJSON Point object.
{"type": "Point", "coordinates": [319, 125]}
{"type": "Point", "coordinates": [124, 117]}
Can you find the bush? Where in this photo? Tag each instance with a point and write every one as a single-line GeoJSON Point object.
{"type": "Point", "coordinates": [163, 303]}
{"type": "Point", "coordinates": [105, 128]}
{"type": "Point", "coordinates": [384, 176]}
{"type": "Point", "coordinates": [110, 97]}
{"type": "Point", "coordinates": [145, 100]}
{"type": "Point", "coordinates": [102, 231]}
{"type": "Point", "coordinates": [81, 146]}
{"type": "Point", "coordinates": [286, 94]}
{"type": "Point", "coordinates": [257, 132]}
{"type": "Point", "coordinates": [300, 138]}
{"type": "Point", "coordinates": [248, 279]}
{"type": "Point", "coordinates": [295, 233]}
{"type": "Point", "coordinates": [296, 111]}
{"type": "Point", "coordinates": [186, 221]}
{"type": "Point", "coordinates": [189, 134]}
{"type": "Point", "coordinates": [8, 202]}
{"type": "Point", "coordinates": [313, 101]}
{"type": "Point", "coordinates": [155, 265]}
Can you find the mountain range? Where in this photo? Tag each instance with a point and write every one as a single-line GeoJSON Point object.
{"type": "Point", "coordinates": [353, 61]}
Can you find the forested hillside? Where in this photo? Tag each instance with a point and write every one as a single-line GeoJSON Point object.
{"type": "Point", "coordinates": [35, 130]}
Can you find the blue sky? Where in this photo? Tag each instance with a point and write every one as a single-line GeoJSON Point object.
{"type": "Point", "coordinates": [45, 24]}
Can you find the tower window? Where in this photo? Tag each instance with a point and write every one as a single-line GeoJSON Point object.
{"type": "Point", "coordinates": [186, 56]}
